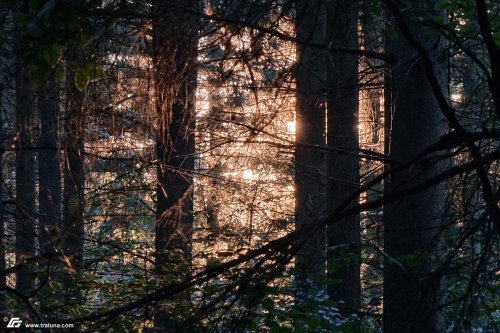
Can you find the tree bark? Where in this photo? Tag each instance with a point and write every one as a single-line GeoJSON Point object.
{"type": "Point", "coordinates": [412, 224]}
{"type": "Point", "coordinates": [49, 191]}
{"type": "Point", "coordinates": [3, 263]}
{"type": "Point", "coordinates": [175, 39]}
{"type": "Point", "coordinates": [343, 160]}
{"type": "Point", "coordinates": [310, 173]}
{"type": "Point", "coordinates": [74, 174]}
{"type": "Point", "coordinates": [25, 173]}
{"type": "Point", "coordinates": [49, 167]}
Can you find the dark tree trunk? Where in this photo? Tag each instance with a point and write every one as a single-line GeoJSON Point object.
{"type": "Point", "coordinates": [49, 192]}
{"type": "Point", "coordinates": [310, 173]}
{"type": "Point", "coordinates": [74, 174]}
{"type": "Point", "coordinates": [412, 224]}
{"type": "Point", "coordinates": [49, 167]}
{"type": "Point", "coordinates": [3, 263]}
{"type": "Point", "coordinates": [175, 39]}
{"type": "Point", "coordinates": [343, 160]}
{"type": "Point", "coordinates": [25, 175]}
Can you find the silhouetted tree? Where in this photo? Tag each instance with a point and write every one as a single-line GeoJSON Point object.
{"type": "Point", "coordinates": [25, 167]}
{"type": "Point", "coordinates": [412, 225]}
{"type": "Point", "coordinates": [175, 32]}
{"type": "Point", "coordinates": [310, 168]}
{"type": "Point", "coordinates": [343, 157]}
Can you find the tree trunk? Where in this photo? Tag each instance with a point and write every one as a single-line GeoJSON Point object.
{"type": "Point", "coordinates": [3, 263]}
{"type": "Point", "coordinates": [175, 39]}
{"type": "Point", "coordinates": [49, 192]}
{"type": "Point", "coordinates": [25, 174]}
{"type": "Point", "coordinates": [74, 174]}
{"type": "Point", "coordinates": [343, 160]}
{"type": "Point", "coordinates": [411, 295]}
{"type": "Point", "coordinates": [48, 166]}
{"type": "Point", "coordinates": [310, 173]}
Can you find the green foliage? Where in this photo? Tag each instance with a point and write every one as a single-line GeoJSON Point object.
{"type": "Point", "coordinates": [48, 28]}
{"type": "Point", "coordinates": [313, 315]}
{"type": "Point", "coordinates": [86, 74]}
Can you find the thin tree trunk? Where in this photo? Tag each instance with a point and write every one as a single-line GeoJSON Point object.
{"type": "Point", "coordinates": [175, 54]}
{"type": "Point", "coordinates": [310, 173]}
{"type": "Point", "coordinates": [371, 127]}
{"type": "Point", "coordinates": [343, 167]}
{"type": "Point", "coordinates": [25, 175]}
{"type": "Point", "coordinates": [411, 229]}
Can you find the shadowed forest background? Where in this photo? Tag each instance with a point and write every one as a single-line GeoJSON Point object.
{"type": "Point", "coordinates": [250, 165]}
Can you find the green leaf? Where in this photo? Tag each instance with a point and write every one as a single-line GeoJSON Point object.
{"type": "Point", "coordinates": [94, 71]}
{"type": "Point", "coordinates": [80, 80]}
{"type": "Point", "coordinates": [51, 54]}
{"type": "Point", "coordinates": [88, 73]}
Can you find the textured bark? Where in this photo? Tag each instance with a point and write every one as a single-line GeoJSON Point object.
{"type": "Point", "coordinates": [310, 173]}
{"type": "Point", "coordinates": [371, 117]}
{"type": "Point", "coordinates": [49, 191]}
{"type": "Point", "coordinates": [343, 167]}
{"type": "Point", "coordinates": [74, 174]}
{"type": "Point", "coordinates": [412, 294]}
{"type": "Point", "coordinates": [25, 174]}
{"type": "Point", "coordinates": [3, 263]}
{"type": "Point", "coordinates": [49, 167]}
{"type": "Point", "coordinates": [174, 54]}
